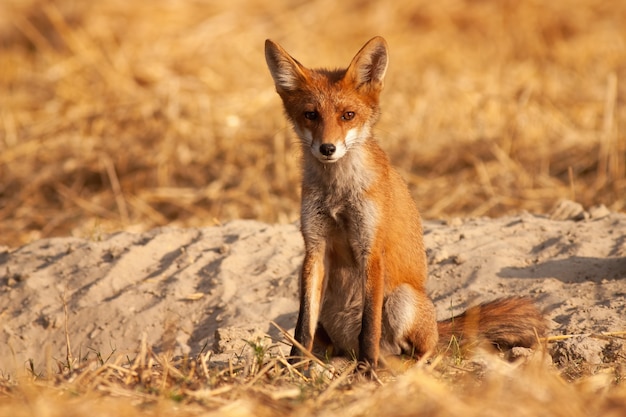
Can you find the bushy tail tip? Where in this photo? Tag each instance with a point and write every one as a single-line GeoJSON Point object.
{"type": "Point", "coordinates": [505, 323]}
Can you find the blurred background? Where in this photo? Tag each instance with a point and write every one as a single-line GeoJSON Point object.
{"type": "Point", "coordinates": [128, 115]}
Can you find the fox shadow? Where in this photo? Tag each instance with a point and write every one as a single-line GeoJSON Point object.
{"type": "Point", "coordinates": [575, 269]}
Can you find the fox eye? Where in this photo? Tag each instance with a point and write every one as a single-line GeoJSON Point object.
{"type": "Point", "coordinates": [349, 115]}
{"type": "Point", "coordinates": [310, 115]}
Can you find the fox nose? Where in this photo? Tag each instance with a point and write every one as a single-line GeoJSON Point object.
{"type": "Point", "coordinates": [327, 149]}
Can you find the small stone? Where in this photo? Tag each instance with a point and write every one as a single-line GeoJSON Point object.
{"type": "Point", "coordinates": [440, 256]}
{"type": "Point", "coordinates": [519, 352]}
{"type": "Point", "coordinates": [568, 210]}
{"type": "Point", "coordinates": [461, 258]}
{"type": "Point", "coordinates": [456, 221]}
{"type": "Point", "coordinates": [599, 211]}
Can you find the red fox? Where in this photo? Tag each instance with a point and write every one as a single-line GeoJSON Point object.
{"type": "Point", "coordinates": [362, 283]}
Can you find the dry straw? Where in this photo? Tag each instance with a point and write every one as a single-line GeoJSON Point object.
{"type": "Point", "coordinates": [125, 114]}
{"type": "Point", "coordinates": [260, 382]}
{"type": "Point", "coordinates": [119, 114]}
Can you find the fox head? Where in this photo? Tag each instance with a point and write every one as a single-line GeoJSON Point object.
{"type": "Point", "coordinates": [331, 111]}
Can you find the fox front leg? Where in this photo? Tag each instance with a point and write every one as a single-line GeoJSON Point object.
{"type": "Point", "coordinates": [311, 291]}
{"type": "Point", "coordinates": [373, 295]}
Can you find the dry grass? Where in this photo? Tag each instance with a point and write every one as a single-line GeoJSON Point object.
{"type": "Point", "coordinates": [260, 382]}
{"type": "Point", "coordinates": [133, 114]}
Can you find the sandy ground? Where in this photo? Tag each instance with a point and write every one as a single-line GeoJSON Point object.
{"type": "Point", "coordinates": [189, 290]}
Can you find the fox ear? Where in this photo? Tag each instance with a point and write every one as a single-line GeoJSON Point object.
{"type": "Point", "coordinates": [287, 73]}
{"type": "Point", "coordinates": [369, 65]}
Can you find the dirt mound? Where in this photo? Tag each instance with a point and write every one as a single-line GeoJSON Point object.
{"type": "Point", "coordinates": [211, 288]}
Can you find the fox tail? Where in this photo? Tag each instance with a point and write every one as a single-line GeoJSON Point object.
{"type": "Point", "coordinates": [504, 323]}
